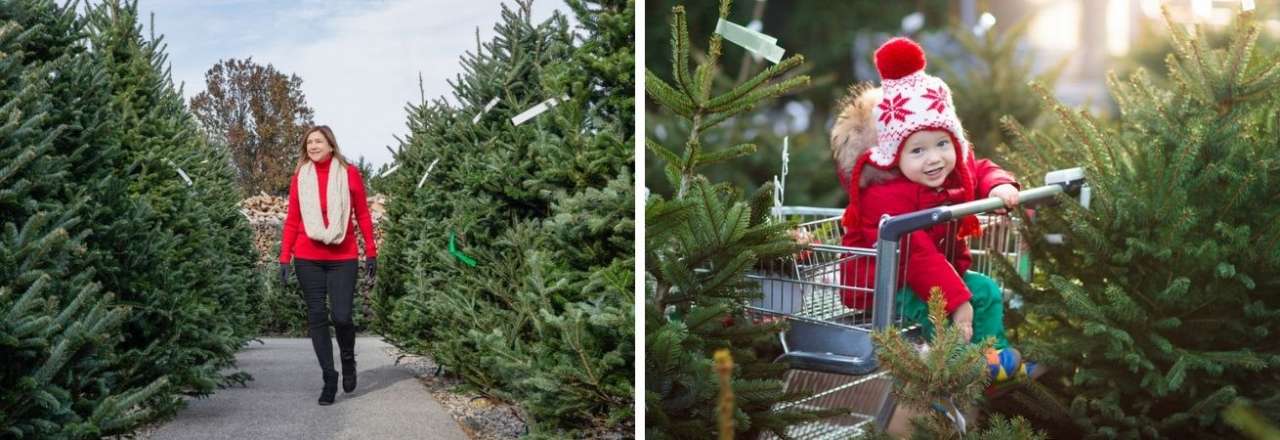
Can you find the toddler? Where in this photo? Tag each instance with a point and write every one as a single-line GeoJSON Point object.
{"type": "Point", "coordinates": [900, 148]}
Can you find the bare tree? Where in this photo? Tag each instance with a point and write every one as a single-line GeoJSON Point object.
{"type": "Point", "coordinates": [259, 114]}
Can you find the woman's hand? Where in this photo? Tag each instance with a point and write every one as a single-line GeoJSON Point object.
{"type": "Point", "coordinates": [284, 274]}
{"type": "Point", "coordinates": [962, 319]}
{"type": "Point", "coordinates": [1007, 193]}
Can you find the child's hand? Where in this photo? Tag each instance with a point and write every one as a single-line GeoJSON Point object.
{"type": "Point", "coordinates": [1006, 192]}
{"type": "Point", "coordinates": [802, 237]}
{"type": "Point", "coordinates": [962, 319]}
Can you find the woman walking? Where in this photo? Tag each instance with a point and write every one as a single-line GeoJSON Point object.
{"type": "Point", "coordinates": [319, 237]}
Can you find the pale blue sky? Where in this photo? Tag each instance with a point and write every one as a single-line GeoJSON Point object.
{"type": "Point", "coordinates": [358, 59]}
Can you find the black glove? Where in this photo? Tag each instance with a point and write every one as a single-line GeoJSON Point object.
{"type": "Point", "coordinates": [370, 267]}
{"type": "Point", "coordinates": [284, 274]}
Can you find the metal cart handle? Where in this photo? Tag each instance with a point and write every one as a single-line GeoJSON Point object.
{"type": "Point", "coordinates": [893, 228]}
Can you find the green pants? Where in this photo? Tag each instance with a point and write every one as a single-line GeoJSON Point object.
{"type": "Point", "coordinates": [988, 309]}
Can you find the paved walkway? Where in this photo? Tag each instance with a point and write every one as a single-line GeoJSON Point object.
{"type": "Point", "coordinates": [280, 403]}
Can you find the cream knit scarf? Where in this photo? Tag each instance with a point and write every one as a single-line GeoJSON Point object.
{"type": "Point", "coordinates": [339, 203]}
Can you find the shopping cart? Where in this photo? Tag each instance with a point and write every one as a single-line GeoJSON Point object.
{"type": "Point", "coordinates": [828, 344]}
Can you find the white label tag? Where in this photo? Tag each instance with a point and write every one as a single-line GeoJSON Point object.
{"type": "Point", "coordinates": [424, 175]}
{"type": "Point", "coordinates": [537, 109]}
{"type": "Point", "coordinates": [487, 107]}
{"type": "Point", "coordinates": [184, 176]}
{"type": "Point", "coordinates": [757, 43]}
{"type": "Point", "coordinates": [180, 172]}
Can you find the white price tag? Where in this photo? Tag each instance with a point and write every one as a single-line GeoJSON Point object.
{"type": "Point", "coordinates": [537, 110]}
{"type": "Point", "coordinates": [180, 171]}
{"type": "Point", "coordinates": [757, 43]}
{"type": "Point", "coordinates": [424, 175]}
{"type": "Point", "coordinates": [184, 176]}
{"type": "Point", "coordinates": [487, 107]}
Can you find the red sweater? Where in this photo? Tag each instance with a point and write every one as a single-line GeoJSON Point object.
{"type": "Point", "coordinates": [296, 243]}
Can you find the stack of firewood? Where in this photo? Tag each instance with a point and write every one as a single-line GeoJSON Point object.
{"type": "Point", "coordinates": [263, 208]}
{"type": "Point", "coordinates": [266, 216]}
{"type": "Point", "coordinates": [377, 209]}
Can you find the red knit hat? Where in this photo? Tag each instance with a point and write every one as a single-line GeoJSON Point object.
{"type": "Point", "coordinates": [912, 101]}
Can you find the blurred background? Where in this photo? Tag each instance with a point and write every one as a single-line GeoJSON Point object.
{"type": "Point", "coordinates": [987, 51]}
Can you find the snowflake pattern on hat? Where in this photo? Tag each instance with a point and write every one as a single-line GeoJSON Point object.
{"type": "Point", "coordinates": [894, 108]}
{"type": "Point", "coordinates": [939, 97]}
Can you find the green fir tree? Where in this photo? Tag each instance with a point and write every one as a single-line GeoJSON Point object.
{"type": "Point", "coordinates": [190, 266]}
{"type": "Point", "coordinates": [1159, 307]}
{"type": "Point", "coordinates": [949, 376]}
{"type": "Point", "coordinates": [511, 262]}
{"type": "Point", "coordinates": [59, 327]}
{"type": "Point", "coordinates": [123, 286]}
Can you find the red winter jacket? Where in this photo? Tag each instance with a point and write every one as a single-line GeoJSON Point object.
{"type": "Point", "coordinates": [926, 263]}
{"type": "Point", "coordinates": [296, 243]}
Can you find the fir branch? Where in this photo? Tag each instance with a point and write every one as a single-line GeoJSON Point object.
{"type": "Point", "coordinates": [667, 96]}
{"type": "Point", "coordinates": [680, 52]}
{"type": "Point", "coordinates": [720, 103]}
{"type": "Point", "coordinates": [724, 155]}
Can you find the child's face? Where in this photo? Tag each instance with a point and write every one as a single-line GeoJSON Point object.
{"type": "Point", "coordinates": [927, 157]}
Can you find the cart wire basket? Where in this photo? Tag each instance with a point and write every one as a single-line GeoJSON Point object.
{"type": "Point", "coordinates": [831, 317]}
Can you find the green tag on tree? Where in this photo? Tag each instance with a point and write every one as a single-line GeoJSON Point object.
{"type": "Point", "coordinates": [453, 249]}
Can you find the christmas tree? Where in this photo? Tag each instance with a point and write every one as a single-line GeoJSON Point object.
{"type": "Point", "coordinates": [113, 308]}
{"type": "Point", "coordinates": [59, 327]}
{"type": "Point", "coordinates": [191, 316]}
{"type": "Point", "coordinates": [942, 380]}
{"type": "Point", "coordinates": [1159, 305]}
{"type": "Point", "coordinates": [699, 246]}
{"type": "Point", "coordinates": [509, 239]}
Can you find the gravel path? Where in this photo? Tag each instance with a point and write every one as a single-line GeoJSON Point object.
{"type": "Point", "coordinates": [280, 403]}
{"type": "Point", "coordinates": [480, 417]}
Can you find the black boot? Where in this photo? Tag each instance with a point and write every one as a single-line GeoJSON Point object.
{"type": "Point", "coordinates": [330, 388]}
{"type": "Point", "coordinates": [348, 371]}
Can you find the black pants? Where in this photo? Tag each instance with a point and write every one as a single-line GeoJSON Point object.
{"type": "Point", "coordinates": [337, 281]}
